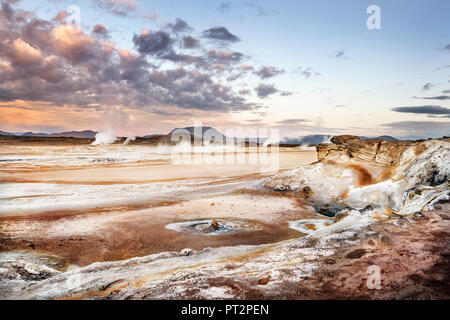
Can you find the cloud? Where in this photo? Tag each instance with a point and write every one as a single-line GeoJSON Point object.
{"type": "Point", "coordinates": [61, 16]}
{"type": "Point", "coordinates": [125, 9]}
{"type": "Point", "coordinates": [161, 44]}
{"type": "Point", "coordinates": [265, 90]}
{"type": "Point", "coordinates": [72, 43]}
{"type": "Point", "coordinates": [266, 72]}
{"type": "Point", "coordinates": [244, 92]}
{"type": "Point", "coordinates": [240, 72]}
{"type": "Point", "coordinates": [153, 42]}
{"type": "Point", "coordinates": [341, 106]}
{"type": "Point", "coordinates": [100, 29]}
{"type": "Point", "coordinates": [439, 117]}
{"type": "Point", "coordinates": [118, 7]}
{"type": "Point", "coordinates": [220, 33]}
{"type": "Point", "coordinates": [427, 86]}
{"type": "Point", "coordinates": [22, 53]}
{"type": "Point", "coordinates": [224, 6]}
{"type": "Point", "coordinates": [434, 98]}
{"type": "Point", "coordinates": [444, 67]}
{"type": "Point", "coordinates": [446, 91]}
{"type": "Point", "coordinates": [339, 54]}
{"type": "Point", "coordinates": [260, 10]}
{"type": "Point", "coordinates": [292, 121]}
{"type": "Point", "coordinates": [11, 1]}
{"type": "Point", "coordinates": [306, 72]}
{"type": "Point", "coordinates": [190, 42]}
{"type": "Point", "coordinates": [432, 110]}
{"type": "Point", "coordinates": [224, 57]}
{"type": "Point", "coordinates": [424, 128]}
{"type": "Point", "coordinates": [447, 47]}
{"type": "Point", "coordinates": [55, 64]}
{"type": "Point", "coordinates": [179, 26]}
{"type": "Point", "coordinates": [151, 16]}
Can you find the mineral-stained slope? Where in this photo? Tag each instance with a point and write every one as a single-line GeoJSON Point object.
{"type": "Point", "coordinates": [400, 177]}
{"type": "Point", "coordinates": [388, 217]}
{"type": "Point", "coordinates": [379, 151]}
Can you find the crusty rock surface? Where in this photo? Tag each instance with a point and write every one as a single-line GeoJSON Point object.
{"type": "Point", "coordinates": [379, 151]}
{"type": "Point", "coordinates": [403, 177]}
{"type": "Point", "coordinates": [412, 256]}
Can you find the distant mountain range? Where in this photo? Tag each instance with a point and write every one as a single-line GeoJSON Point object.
{"type": "Point", "coordinates": [87, 134]}
{"type": "Point", "coordinates": [152, 136]}
{"type": "Point", "coordinates": [322, 138]}
{"type": "Point", "coordinates": [390, 138]}
{"type": "Point", "coordinates": [194, 132]}
{"type": "Point", "coordinates": [308, 140]}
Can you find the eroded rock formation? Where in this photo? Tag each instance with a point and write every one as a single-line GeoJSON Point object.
{"type": "Point", "coordinates": [383, 152]}
{"type": "Point", "coordinates": [395, 176]}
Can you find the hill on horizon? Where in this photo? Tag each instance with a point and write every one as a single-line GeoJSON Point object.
{"type": "Point", "coordinates": [85, 134]}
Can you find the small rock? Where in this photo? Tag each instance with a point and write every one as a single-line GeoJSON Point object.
{"type": "Point", "coordinates": [329, 210]}
{"type": "Point", "coordinates": [418, 216]}
{"type": "Point", "coordinates": [415, 277]}
{"type": "Point", "coordinates": [386, 239]}
{"type": "Point", "coordinates": [402, 252]}
{"type": "Point", "coordinates": [282, 188]}
{"type": "Point", "coordinates": [263, 281]}
{"type": "Point", "coordinates": [306, 192]}
{"type": "Point", "coordinates": [215, 224]}
{"type": "Point", "coordinates": [340, 216]}
{"type": "Point", "coordinates": [356, 254]}
{"type": "Point", "coordinates": [187, 252]}
{"type": "Point", "coordinates": [370, 207]}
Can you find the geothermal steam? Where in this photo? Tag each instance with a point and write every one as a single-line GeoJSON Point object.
{"type": "Point", "coordinates": [104, 137]}
{"type": "Point", "coordinates": [115, 119]}
{"type": "Point", "coordinates": [129, 140]}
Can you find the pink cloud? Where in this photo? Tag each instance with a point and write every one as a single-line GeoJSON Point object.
{"type": "Point", "coordinates": [72, 43]}
{"type": "Point", "coordinates": [23, 53]}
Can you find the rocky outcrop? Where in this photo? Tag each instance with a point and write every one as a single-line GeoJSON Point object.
{"type": "Point", "coordinates": [379, 151]}
{"type": "Point", "coordinates": [13, 270]}
{"type": "Point", "coordinates": [396, 176]}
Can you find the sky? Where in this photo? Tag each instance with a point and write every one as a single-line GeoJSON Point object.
{"type": "Point", "coordinates": [301, 67]}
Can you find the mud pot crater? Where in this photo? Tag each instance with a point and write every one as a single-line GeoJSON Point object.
{"type": "Point", "coordinates": [214, 227]}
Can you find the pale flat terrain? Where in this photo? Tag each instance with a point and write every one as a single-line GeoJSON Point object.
{"type": "Point", "coordinates": [138, 164]}
{"type": "Point", "coordinates": [88, 204]}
